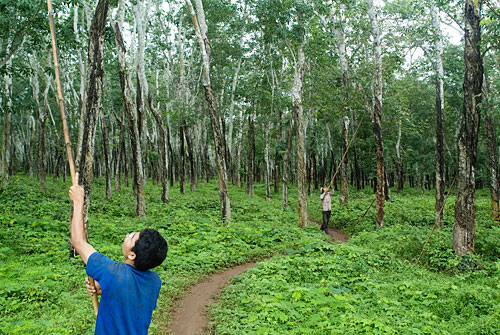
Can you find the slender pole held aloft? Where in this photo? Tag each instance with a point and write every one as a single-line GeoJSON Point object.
{"type": "Point", "coordinates": [435, 223]}
{"type": "Point", "coordinates": [59, 89]}
{"type": "Point", "coordinates": [346, 150]}
{"type": "Point", "coordinates": [95, 301]}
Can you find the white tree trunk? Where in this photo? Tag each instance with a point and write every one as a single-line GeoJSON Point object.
{"type": "Point", "coordinates": [231, 109]}
{"type": "Point", "coordinates": [438, 65]}
{"type": "Point", "coordinates": [201, 33]}
{"type": "Point", "coordinates": [296, 94]}
{"type": "Point", "coordinates": [266, 161]}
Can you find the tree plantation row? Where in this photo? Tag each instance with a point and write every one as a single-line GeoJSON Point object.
{"type": "Point", "coordinates": [271, 91]}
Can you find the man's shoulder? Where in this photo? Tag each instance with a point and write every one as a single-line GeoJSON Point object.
{"type": "Point", "coordinates": [155, 277]}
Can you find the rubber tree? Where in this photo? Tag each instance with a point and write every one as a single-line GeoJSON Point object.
{"type": "Point", "coordinates": [93, 107]}
{"type": "Point", "coordinates": [131, 112]}
{"type": "Point", "coordinates": [439, 73]}
{"type": "Point", "coordinates": [297, 109]}
{"type": "Point", "coordinates": [464, 229]}
{"type": "Point", "coordinates": [201, 31]}
{"type": "Point", "coordinates": [376, 113]}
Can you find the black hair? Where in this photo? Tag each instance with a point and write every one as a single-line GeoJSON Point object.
{"type": "Point", "coordinates": [150, 250]}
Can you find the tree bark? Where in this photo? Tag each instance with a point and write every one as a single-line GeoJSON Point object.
{"type": "Point", "coordinates": [438, 64]}
{"type": "Point", "coordinates": [41, 112]}
{"type": "Point", "coordinates": [107, 163]}
{"type": "Point", "coordinates": [129, 108]}
{"type": "Point", "coordinates": [377, 116]}
{"type": "Point", "coordinates": [491, 147]}
{"type": "Point", "coordinates": [6, 136]}
{"type": "Point", "coordinates": [201, 32]}
{"type": "Point", "coordinates": [267, 176]}
{"type": "Point", "coordinates": [231, 118]}
{"type": "Point", "coordinates": [192, 166]}
{"type": "Point", "coordinates": [162, 143]}
{"type": "Point", "coordinates": [286, 158]}
{"type": "Point", "coordinates": [171, 154]}
{"type": "Point", "coordinates": [238, 150]}
{"type": "Point", "coordinates": [399, 163]}
{"type": "Point", "coordinates": [465, 208]}
{"type": "Point", "coordinates": [182, 158]}
{"type": "Point", "coordinates": [296, 94]}
{"type": "Point", "coordinates": [250, 157]}
{"type": "Point", "coordinates": [93, 107]}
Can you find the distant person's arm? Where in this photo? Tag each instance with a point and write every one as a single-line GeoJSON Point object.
{"type": "Point", "coordinates": [323, 194]}
{"type": "Point", "coordinates": [77, 233]}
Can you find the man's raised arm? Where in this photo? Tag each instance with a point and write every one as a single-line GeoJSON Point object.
{"type": "Point", "coordinates": [78, 240]}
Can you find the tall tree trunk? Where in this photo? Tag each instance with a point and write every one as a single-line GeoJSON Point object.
{"type": "Point", "coordinates": [107, 163]}
{"type": "Point", "coordinates": [231, 118]}
{"type": "Point", "coordinates": [130, 110]}
{"type": "Point", "coordinates": [300, 68]}
{"type": "Point", "coordinates": [192, 167]}
{"type": "Point", "coordinates": [6, 137]}
{"type": "Point", "coordinates": [171, 154]}
{"type": "Point", "coordinates": [250, 156]}
{"type": "Point", "coordinates": [491, 146]}
{"type": "Point", "coordinates": [182, 158]}
{"type": "Point", "coordinates": [277, 155]}
{"type": "Point", "coordinates": [41, 112]}
{"type": "Point", "coordinates": [286, 159]}
{"type": "Point", "coordinates": [465, 209]}
{"type": "Point", "coordinates": [238, 150]}
{"type": "Point", "coordinates": [93, 106]}
{"type": "Point", "coordinates": [399, 163]}
{"type": "Point", "coordinates": [162, 143]}
{"type": "Point", "coordinates": [344, 181]}
{"type": "Point", "coordinates": [267, 176]}
{"type": "Point", "coordinates": [377, 116]}
{"type": "Point", "coordinates": [82, 91]}
{"type": "Point", "coordinates": [357, 171]}
{"type": "Point", "coordinates": [201, 32]}
{"type": "Point", "coordinates": [438, 64]}
{"type": "Point", "coordinates": [122, 166]}
{"type": "Point", "coordinates": [182, 97]}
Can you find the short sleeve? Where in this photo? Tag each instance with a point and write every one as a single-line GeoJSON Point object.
{"type": "Point", "coordinates": [101, 268]}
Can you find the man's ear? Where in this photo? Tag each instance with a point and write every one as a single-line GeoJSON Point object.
{"type": "Point", "coordinates": [131, 256]}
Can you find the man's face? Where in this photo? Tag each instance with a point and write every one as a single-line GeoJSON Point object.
{"type": "Point", "coordinates": [129, 243]}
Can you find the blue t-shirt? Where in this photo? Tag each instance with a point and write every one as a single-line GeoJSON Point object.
{"type": "Point", "coordinates": [128, 296]}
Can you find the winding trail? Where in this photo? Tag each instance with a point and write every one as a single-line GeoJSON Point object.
{"type": "Point", "coordinates": [189, 314]}
{"type": "Point", "coordinates": [189, 317]}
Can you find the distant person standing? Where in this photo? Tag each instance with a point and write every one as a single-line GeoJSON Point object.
{"type": "Point", "coordinates": [326, 207]}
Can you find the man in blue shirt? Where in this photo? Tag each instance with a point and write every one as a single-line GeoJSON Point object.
{"type": "Point", "coordinates": [129, 289]}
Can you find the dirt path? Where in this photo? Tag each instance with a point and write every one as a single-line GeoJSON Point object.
{"type": "Point", "coordinates": [189, 316]}
{"type": "Point", "coordinates": [337, 236]}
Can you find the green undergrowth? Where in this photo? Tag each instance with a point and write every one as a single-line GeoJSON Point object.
{"type": "Point", "coordinates": [373, 284]}
{"type": "Point", "coordinates": [42, 289]}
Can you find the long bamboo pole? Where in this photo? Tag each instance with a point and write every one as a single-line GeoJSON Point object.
{"type": "Point", "coordinates": [364, 214]}
{"type": "Point", "coordinates": [346, 150]}
{"type": "Point", "coordinates": [95, 301]}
